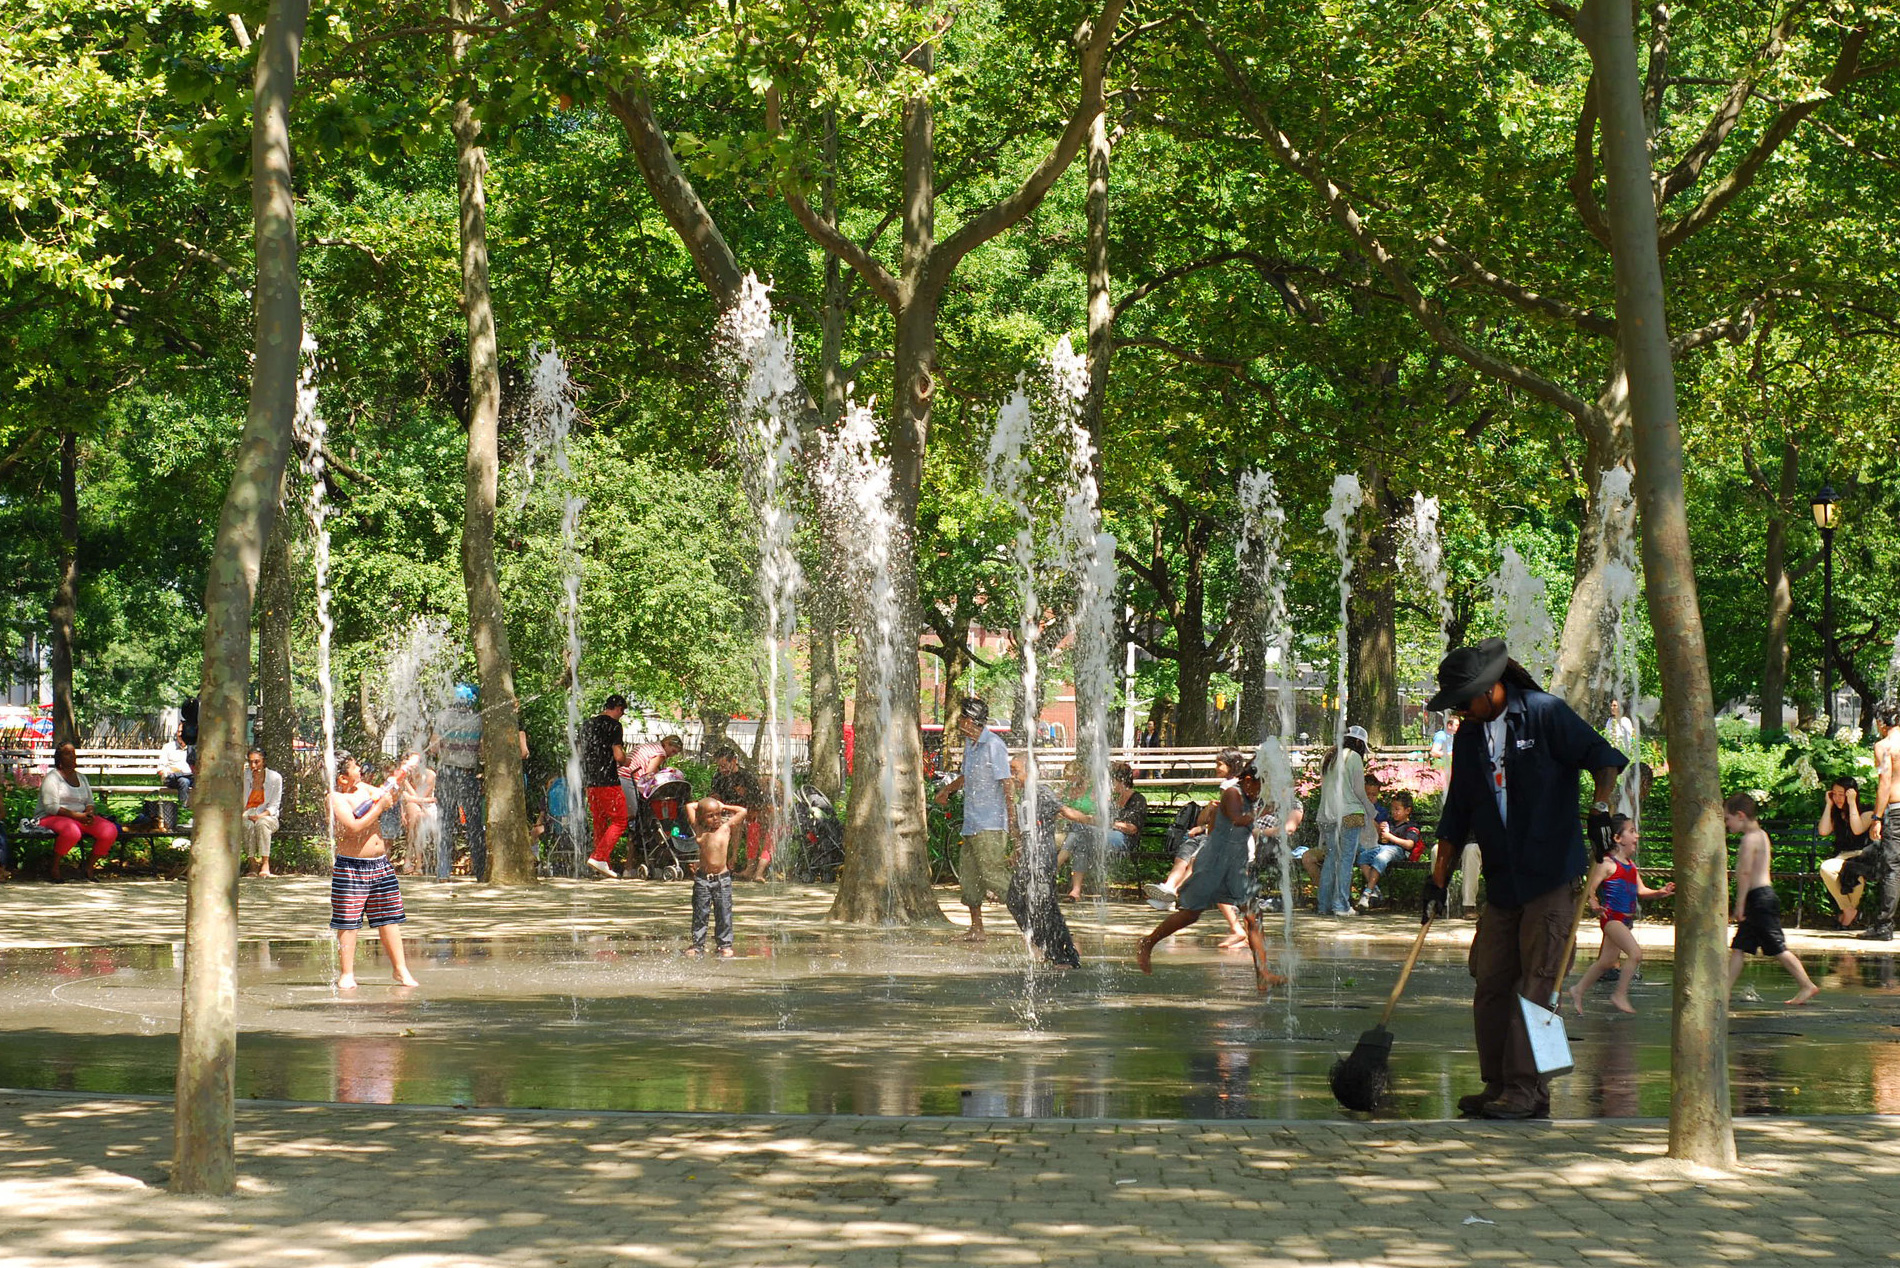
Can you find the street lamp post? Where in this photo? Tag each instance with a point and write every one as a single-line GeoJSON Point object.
{"type": "Point", "coordinates": [1827, 511]}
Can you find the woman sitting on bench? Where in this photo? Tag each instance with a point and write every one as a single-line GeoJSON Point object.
{"type": "Point", "coordinates": [66, 811]}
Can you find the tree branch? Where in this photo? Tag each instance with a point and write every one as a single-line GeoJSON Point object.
{"type": "Point", "coordinates": [1734, 328]}
{"type": "Point", "coordinates": [1846, 71]}
{"type": "Point", "coordinates": [1656, 79]}
{"type": "Point", "coordinates": [679, 202]}
{"type": "Point", "coordinates": [1236, 368]}
{"type": "Point", "coordinates": [1728, 113]}
{"type": "Point", "coordinates": [828, 235]}
{"type": "Point", "coordinates": [1094, 39]}
{"type": "Point", "coordinates": [1347, 217]}
{"type": "Point", "coordinates": [1529, 300]}
{"type": "Point", "coordinates": [1274, 272]}
{"type": "Point", "coordinates": [1583, 169]}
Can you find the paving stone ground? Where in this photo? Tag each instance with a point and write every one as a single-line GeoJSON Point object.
{"type": "Point", "coordinates": [82, 1178]}
{"type": "Point", "coordinates": [82, 1183]}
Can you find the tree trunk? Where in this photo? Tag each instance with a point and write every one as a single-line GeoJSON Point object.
{"type": "Point", "coordinates": [827, 688]}
{"type": "Point", "coordinates": [1774, 668]}
{"type": "Point", "coordinates": [1101, 305]}
{"type": "Point", "coordinates": [886, 873]}
{"type": "Point", "coordinates": [276, 705]}
{"type": "Point", "coordinates": [1194, 680]}
{"type": "Point", "coordinates": [1699, 1125]}
{"type": "Point", "coordinates": [1373, 668]}
{"type": "Point", "coordinates": [1257, 712]}
{"type": "Point", "coordinates": [1584, 674]}
{"type": "Point", "coordinates": [203, 1147]}
{"type": "Point", "coordinates": [65, 611]}
{"type": "Point", "coordinates": [510, 847]}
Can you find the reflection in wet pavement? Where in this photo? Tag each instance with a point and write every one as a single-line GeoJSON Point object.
{"type": "Point", "coordinates": [898, 1024]}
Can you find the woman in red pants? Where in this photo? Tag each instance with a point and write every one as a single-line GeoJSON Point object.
{"type": "Point", "coordinates": [66, 809]}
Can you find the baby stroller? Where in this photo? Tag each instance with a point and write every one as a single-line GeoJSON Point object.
{"type": "Point", "coordinates": [666, 845]}
{"type": "Point", "coordinates": [820, 835]}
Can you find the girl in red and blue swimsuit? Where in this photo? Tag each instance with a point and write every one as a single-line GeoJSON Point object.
{"type": "Point", "coordinates": [1615, 886]}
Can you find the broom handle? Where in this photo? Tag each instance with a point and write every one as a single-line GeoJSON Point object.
{"type": "Point", "coordinates": [1398, 988]}
{"type": "Point", "coordinates": [1570, 946]}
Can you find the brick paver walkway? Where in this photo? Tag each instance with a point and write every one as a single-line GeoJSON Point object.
{"type": "Point", "coordinates": [81, 1183]}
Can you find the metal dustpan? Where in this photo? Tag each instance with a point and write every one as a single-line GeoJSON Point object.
{"type": "Point", "coordinates": [1550, 1046]}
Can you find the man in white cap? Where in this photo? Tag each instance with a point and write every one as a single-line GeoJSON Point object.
{"type": "Point", "coordinates": [1514, 789]}
{"type": "Point", "coordinates": [989, 801]}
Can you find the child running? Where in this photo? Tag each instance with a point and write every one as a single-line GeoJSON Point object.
{"type": "Point", "coordinates": [713, 822]}
{"type": "Point", "coordinates": [1757, 907]}
{"type": "Point", "coordinates": [361, 882]}
{"type": "Point", "coordinates": [1615, 886]}
{"type": "Point", "coordinates": [1220, 873]}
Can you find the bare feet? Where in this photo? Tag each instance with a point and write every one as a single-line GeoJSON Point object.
{"type": "Point", "coordinates": [1576, 998]}
{"type": "Point", "coordinates": [1232, 941]}
{"type": "Point", "coordinates": [1075, 895]}
{"type": "Point", "coordinates": [975, 935]}
{"type": "Point", "coordinates": [1622, 1003]}
{"type": "Point", "coordinates": [1144, 950]}
{"type": "Point", "coordinates": [1805, 994]}
{"type": "Point", "coordinates": [1849, 916]}
{"type": "Point", "coordinates": [1266, 979]}
{"type": "Point", "coordinates": [266, 872]}
{"type": "Point", "coordinates": [693, 953]}
{"type": "Point", "coordinates": [727, 953]}
{"type": "Point", "coordinates": [347, 982]}
{"type": "Point", "coordinates": [406, 978]}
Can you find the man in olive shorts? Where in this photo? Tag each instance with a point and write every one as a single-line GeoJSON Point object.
{"type": "Point", "coordinates": [989, 799]}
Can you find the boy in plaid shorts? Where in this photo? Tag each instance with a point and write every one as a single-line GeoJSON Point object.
{"type": "Point", "coordinates": [362, 884]}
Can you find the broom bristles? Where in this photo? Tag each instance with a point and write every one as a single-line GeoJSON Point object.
{"type": "Point", "coordinates": [1360, 1080]}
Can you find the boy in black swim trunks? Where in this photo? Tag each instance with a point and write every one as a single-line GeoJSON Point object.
{"type": "Point", "coordinates": [1757, 908]}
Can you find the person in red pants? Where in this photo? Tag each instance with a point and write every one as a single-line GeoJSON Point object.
{"type": "Point", "coordinates": [66, 808]}
{"type": "Point", "coordinates": [603, 753]}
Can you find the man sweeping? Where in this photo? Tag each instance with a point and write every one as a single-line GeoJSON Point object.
{"type": "Point", "coordinates": [1514, 786]}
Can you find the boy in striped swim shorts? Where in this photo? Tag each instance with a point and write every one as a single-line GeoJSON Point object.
{"type": "Point", "coordinates": [362, 884]}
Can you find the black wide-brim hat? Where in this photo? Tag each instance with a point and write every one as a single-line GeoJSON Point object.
{"type": "Point", "coordinates": [1468, 672]}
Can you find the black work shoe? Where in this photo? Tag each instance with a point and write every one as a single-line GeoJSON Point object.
{"type": "Point", "coordinates": [1879, 933]}
{"type": "Point", "coordinates": [1474, 1104]}
{"type": "Point", "coordinates": [1508, 1109]}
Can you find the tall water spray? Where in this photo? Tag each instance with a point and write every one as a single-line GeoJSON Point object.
{"type": "Point", "coordinates": [767, 399]}
{"type": "Point", "coordinates": [1262, 537]}
{"type": "Point", "coordinates": [1005, 466]}
{"type": "Point", "coordinates": [1893, 672]}
{"type": "Point", "coordinates": [1622, 583]}
{"type": "Point", "coordinates": [853, 479]}
{"type": "Point", "coordinates": [1276, 775]}
{"type": "Point", "coordinates": [418, 684]}
{"type": "Point", "coordinates": [1518, 598]}
{"type": "Point", "coordinates": [309, 430]}
{"type": "Point", "coordinates": [420, 678]}
{"type": "Point", "coordinates": [1424, 546]}
{"type": "Point", "coordinates": [1087, 554]}
{"type": "Point", "coordinates": [1339, 513]}
{"type": "Point", "coordinates": [548, 418]}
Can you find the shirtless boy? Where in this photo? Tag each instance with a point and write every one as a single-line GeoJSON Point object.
{"type": "Point", "coordinates": [361, 882]}
{"type": "Point", "coordinates": [1757, 908]}
{"type": "Point", "coordinates": [713, 822]}
{"type": "Point", "coordinates": [1887, 816]}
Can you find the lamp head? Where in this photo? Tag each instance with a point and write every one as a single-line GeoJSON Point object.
{"type": "Point", "coordinates": [1827, 508]}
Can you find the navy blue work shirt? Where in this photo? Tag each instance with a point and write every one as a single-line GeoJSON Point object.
{"type": "Point", "coordinates": [1546, 748]}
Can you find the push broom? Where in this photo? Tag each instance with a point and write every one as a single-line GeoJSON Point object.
{"type": "Point", "coordinates": [1359, 1079]}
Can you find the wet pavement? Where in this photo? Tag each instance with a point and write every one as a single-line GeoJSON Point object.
{"type": "Point", "coordinates": [604, 1014]}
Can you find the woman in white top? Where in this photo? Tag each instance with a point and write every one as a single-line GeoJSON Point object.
{"type": "Point", "coordinates": [66, 809]}
{"type": "Point", "coordinates": [1344, 812]}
